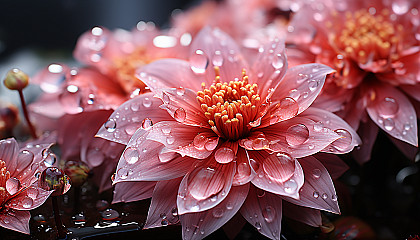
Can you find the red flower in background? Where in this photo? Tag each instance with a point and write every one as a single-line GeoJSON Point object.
{"type": "Point", "coordinates": [374, 47]}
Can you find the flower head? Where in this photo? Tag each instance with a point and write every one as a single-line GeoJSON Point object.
{"type": "Point", "coordinates": [19, 188]}
{"type": "Point", "coordinates": [374, 47]}
{"type": "Point", "coordinates": [219, 131]}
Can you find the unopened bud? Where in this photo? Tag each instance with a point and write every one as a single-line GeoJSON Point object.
{"type": "Point", "coordinates": [16, 79]}
{"type": "Point", "coordinates": [77, 171]}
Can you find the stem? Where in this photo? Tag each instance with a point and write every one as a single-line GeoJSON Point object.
{"type": "Point", "coordinates": [61, 230]}
{"type": "Point", "coordinates": [25, 113]}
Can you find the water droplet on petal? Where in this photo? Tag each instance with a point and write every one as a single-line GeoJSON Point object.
{"type": "Point", "coordinates": [316, 194]}
{"type": "Point", "coordinates": [32, 192]}
{"type": "Point", "coordinates": [297, 134]}
{"type": "Point", "coordinates": [135, 106]}
{"type": "Point", "coordinates": [170, 140]}
{"type": "Point", "coordinates": [147, 124]}
{"type": "Point", "coordinates": [278, 61]}
{"type": "Point", "coordinates": [313, 85]}
{"type": "Point", "coordinates": [199, 141]}
{"type": "Point", "coordinates": [13, 185]}
{"type": "Point", "coordinates": [217, 59]}
{"type": "Point", "coordinates": [343, 143]}
{"type": "Point", "coordinates": [324, 196]}
{"type": "Point", "coordinates": [199, 62]}
{"type": "Point", "coordinates": [258, 226]}
{"type": "Point", "coordinates": [180, 115]}
{"type": "Point", "coordinates": [334, 197]}
{"type": "Point", "coordinates": [27, 202]}
{"type": "Point", "coordinates": [302, 77]}
{"type": "Point", "coordinates": [110, 125]}
{"type": "Point", "coordinates": [286, 109]}
{"type": "Point", "coordinates": [71, 99]}
{"type": "Point", "coordinates": [50, 160]}
{"type": "Point", "coordinates": [218, 212]}
{"type": "Point", "coordinates": [290, 186]}
{"type": "Point", "coordinates": [400, 7]}
{"type": "Point", "coordinates": [279, 167]}
{"type": "Point", "coordinates": [166, 129]}
{"type": "Point", "coordinates": [211, 144]}
{"type": "Point", "coordinates": [131, 155]}
{"type": "Point", "coordinates": [180, 91]}
{"type": "Point", "coordinates": [164, 222]}
{"type": "Point", "coordinates": [316, 173]}
{"type": "Point", "coordinates": [388, 107]}
{"type": "Point", "coordinates": [224, 155]}
{"type": "Point", "coordinates": [147, 102]}
{"type": "Point", "coordinates": [269, 214]}
{"type": "Point", "coordinates": [123, 173]}
{"type": "Point", "coordinates": [212, 179]}
{"type": "Point", "coordinates": [389, 124]}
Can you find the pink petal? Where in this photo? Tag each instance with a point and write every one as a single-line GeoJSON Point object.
{"type": "Point", "coordinates": [393, 113]}
{"type": "Point", "coordinates": [169, 73]}
{"type": "Point", "coordinates": [139, 112]}
{"type": "Point", "coordinates": [270, 169]}
{"type": "Point", "coordinates": [412, 90]}
{"type": "Point", "coordinates": [15, 220]}
{"type": "Point", "coordinates": [147, 160]}
{"type": "Point", "coordinates": [263, 210]}
{"type": "Point", "coordinates": [318, 190]}
{"type": "Point", "coordinates": [163, 210]}
{"type": "Point", "coordinates": [269, 67]}
{"type": "Point", "coordinates": [300, 136]}
{"type": "Point", "coordinates": [205, 186]}
{"type": "Point", "coordinates": [218, 49]}
{"type": "Point", "coordinates": [368, 132]}
{"type": "Point", "coordinates": [334, 165]}
{"type": "Point", "coordinates": [8, 153]}
{"type": "Point", "coordinates": [180, 138]}
{"type": "Point", "coordinates": [301, 83]}
{"type": "Point", "coordinates": [348, 137]}
{"type": "Point", "coordinates": [200, 224]}
{"type": "Point", "coordinates": [182, 105]}
{"type": "Point", "coordinates": [244, 172]}
{"type": "Point", "coordinates": [102, 174]}
{"type": "Point", "coordinates": [132, 191]}
{"type": "Point", "coordinates": [48, 105]}
{"type": "Point", "coordinates": [30, 198]}
{"type": "Point", "coordinates": [309, 216]}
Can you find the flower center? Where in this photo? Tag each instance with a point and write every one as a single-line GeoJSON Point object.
{"type": "Point", "coordinates": [368, 35]}
{"type": "Point", "coordinates": [4, 176]}
{"type": "Point", "coordinates": [230, 106]}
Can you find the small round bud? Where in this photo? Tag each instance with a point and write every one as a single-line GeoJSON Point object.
{"type": "Point", "coordinates": [16, 79]}
{"type": "Point", "coordinates": [54, 178]}
{"type": "Point", "coordinates": [77, 171]}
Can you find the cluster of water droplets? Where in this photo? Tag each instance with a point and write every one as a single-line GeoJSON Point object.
{"type": "Point", "coordinates": [169, 218]}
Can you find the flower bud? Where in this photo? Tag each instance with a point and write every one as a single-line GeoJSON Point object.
{"type": "Point", "coordinates": [16, 79]}
{"type": "Point", "coordinates": [77, 171]}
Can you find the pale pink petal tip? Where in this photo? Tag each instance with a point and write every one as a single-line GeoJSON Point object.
{"type": "Point", "coordinates": [15, 220]}
{"type": "Point", "coordinates": [132, 191]}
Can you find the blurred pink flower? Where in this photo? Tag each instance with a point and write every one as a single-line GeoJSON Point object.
{"type": "Point", "coordinates": [77, 102]}
{"type": "Point", "coordinates": [19, 190]}
{"type": "Point", "coordinates": [216, 135]}
{"type": "Point", "coordinates": [374, 47]}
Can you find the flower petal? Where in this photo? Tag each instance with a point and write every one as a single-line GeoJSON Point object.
{"type": "Point", "coordinates": [218, 49]}
{"type": "Point", "coordinates": [309, 216]}
{"type": "Point", "coordinates": [263, 210]}
{"type": "Point", "coordinates": [169, 73]}
{"type": "Point", "coordinates": [147, 160]}
{"type": "Point", "coordinates": [334, 165]}
{"type": "Point", "coordinates": [244, 172]}
{"type": "Point", "coordinates": [30, 198]}
{"type": "Point", "coordinates": [132, 191]}
{"type": "Point", "coordinates": [139, 112]}
{"type": "Point", "coordinates": [205, 186]}
{"type": "Point", "coordinates": [412, 90]}
{"type": "Point", "coordinates": [368, 132]}
{"type": "Point", "coordinates": [318, 190]}
{"type": "Point", "coordinates": [201, 224]}
{"type": "Point", "coordinates": [162, 210]}
{"type": "Point", "coordinates": [180, 138]}
{"type": "Point", "coordinates": [394, 113]}
{"type": "Point", "coordinates": [15, 220]}
{"type": "Point", "coordinates": [348, 137]}
{"type": "Point", "coordinates": [9, 149]}
{"type": "Point", "coordinates": [182, 105]}
{"type": "Point", "coordinates": [269, 68]}
{"type": "Point", "coordinates": [301, 83]}
{"type": "Point", "coordinates": [272, 172]}
{"type": "Point", "coordinates": [300, 136]}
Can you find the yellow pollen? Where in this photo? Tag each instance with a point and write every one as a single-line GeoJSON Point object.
{"type": "Point", "coordinates": [367, 36]}
{"type": "Point", "coordinates": [230, 106]}
{"type": "Point", "coordinates": [4, 176]}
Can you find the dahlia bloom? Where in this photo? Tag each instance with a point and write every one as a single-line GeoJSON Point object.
{"type": "Point", "coordinates": [19, 189]}
{"type": "Point", "coordinates": [374, 47]}
{"type": "Point", "coordinates": [216, 136]}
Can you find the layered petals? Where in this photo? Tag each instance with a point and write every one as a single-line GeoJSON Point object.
{"type": "Point", "coordinates": [263, 210]}
{"type": "Point", "coordinates": [200, 224]}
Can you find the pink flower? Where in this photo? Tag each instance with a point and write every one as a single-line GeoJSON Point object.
{"type": "Point", "coordinates": [219, 133]}
{"type": "Point", "coordinates": [19, 190]}
{"type": "Point", "coordinates": [374, 47]}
